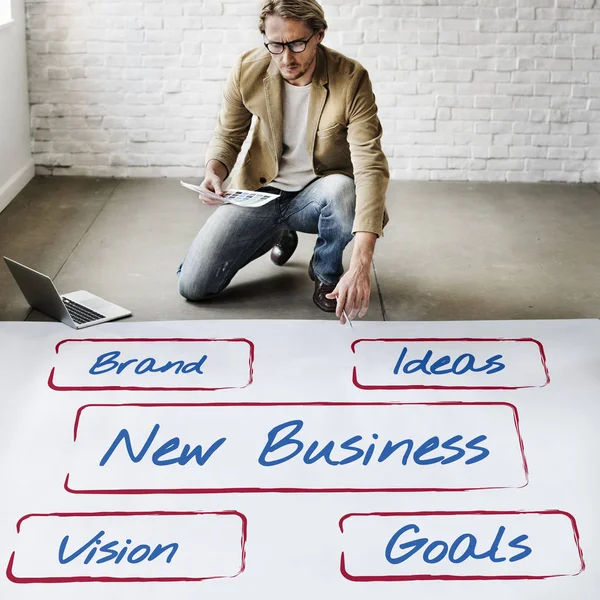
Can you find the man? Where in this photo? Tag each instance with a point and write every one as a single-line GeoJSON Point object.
{"type": "Point", "coordinates": [316, 143]}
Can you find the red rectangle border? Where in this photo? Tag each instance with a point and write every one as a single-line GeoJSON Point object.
{"type": "Point", "coordinates": [25, 580]}
{"type": "Point", "coordinates": [447, 387]}
{"type": "Point", "coordinates": [55, 387]}
{"type": "Point", "coordinates": [297, 490]}
{"type": "Point", "coordinates": [429, 577]}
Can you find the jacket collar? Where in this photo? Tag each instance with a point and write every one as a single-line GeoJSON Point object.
{"type": "Point", "coordinates": [321, 76]}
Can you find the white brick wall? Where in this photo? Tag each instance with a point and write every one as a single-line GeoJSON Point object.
{"type": "Point", "coordinates": [482, 90]}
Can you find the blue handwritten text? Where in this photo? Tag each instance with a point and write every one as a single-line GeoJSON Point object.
{"type": "Point", "coordinates": [112, 552]}
{"type": "Point", "coordinates": [107, 362]}
{"type": "Point", "coordinates": [283, 445]}
{"type": "Point", "coordinates": [183, 457]}
{"type": "Point", "coordinates": [464, 363]}
{"type": "Point", "coordinates": [460, 550]}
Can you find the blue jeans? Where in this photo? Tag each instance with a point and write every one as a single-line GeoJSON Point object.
{"type": "Point", "coordinates": [234, 236]}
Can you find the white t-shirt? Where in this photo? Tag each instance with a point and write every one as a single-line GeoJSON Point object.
{"type": "Point", "coordinates": [295, 166]}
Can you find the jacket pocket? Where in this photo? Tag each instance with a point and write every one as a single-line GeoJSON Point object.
{"type": "Point", "coordinates": [329, 131]}
{"type": "Point", "coordinates": [332, 150]}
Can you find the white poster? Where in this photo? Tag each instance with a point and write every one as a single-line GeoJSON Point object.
{"type": "Point", "coordinates": [271, 459]}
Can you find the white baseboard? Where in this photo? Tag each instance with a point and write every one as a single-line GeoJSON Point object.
{"type": "Point", "coordinates": [16, 183]}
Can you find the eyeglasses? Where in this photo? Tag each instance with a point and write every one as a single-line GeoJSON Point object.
{"type": "Point", "coordinates": [295, 46]}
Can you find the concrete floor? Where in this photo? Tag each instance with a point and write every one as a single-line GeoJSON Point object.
{"type": "Point", "coordinates": [452, 251]}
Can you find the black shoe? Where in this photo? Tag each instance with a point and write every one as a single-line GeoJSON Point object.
{"type": "Point", "coordinates": [321, 290]}
{"type": "Point", "coordinates": [284, 247]}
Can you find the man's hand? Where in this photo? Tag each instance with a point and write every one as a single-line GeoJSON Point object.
{"type": "Point", "coordinates": [352, 293]}
{"type": "Point", "coordinates": [353, 290]}
{"type": "Point", "coordinates": [216, 173]}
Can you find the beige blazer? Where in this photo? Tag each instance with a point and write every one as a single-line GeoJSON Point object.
{"type": "Point", "coordinates": [343, 132]}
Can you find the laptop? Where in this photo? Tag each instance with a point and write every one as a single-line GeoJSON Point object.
{"type": "Point", "coordinates": [76, 309]}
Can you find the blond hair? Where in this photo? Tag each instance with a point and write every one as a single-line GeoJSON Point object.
{"type": "Point", "coordinates": [308, 11]}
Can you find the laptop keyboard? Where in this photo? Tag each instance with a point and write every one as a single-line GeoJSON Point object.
{"type": "Point", "coordinates": [81, 314]}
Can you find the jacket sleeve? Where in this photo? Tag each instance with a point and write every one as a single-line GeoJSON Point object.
{"type": "Point", "coordinates": [233, 122]}
{"type": "Point", "coordinates": [370, 166]}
